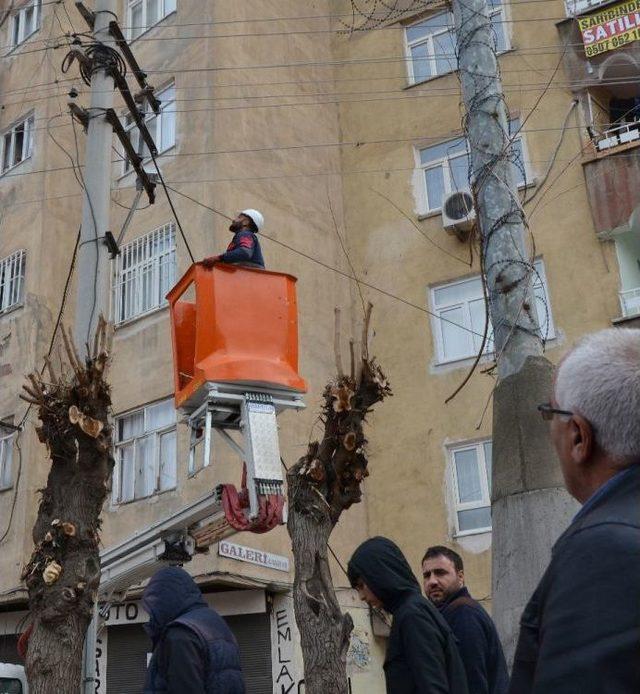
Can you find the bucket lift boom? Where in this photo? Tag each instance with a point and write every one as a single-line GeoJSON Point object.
{"type": "Point", "coordinates": [235, 352]}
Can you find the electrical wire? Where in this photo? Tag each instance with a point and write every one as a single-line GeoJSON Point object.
{"type": "Point", "coordinates": [26, 414]}
{"type": "Point", "coordinates": [346, 275]}
{"type": "Point", "coordinates": [173, 209]}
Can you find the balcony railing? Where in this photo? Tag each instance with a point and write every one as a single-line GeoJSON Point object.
{"type": "Point", "coordinates": [630, 302]}
{"type": "Point", "coordinates": [618, 135]}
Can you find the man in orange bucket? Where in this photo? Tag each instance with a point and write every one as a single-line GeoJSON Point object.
{"type": "Point", "coordinates": [244, 248]}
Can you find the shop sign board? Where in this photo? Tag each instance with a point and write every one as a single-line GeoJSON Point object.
{"type": "Point", "coordinates": [611, 28]}
{"type": "Point", "coordinates": [253, 556]}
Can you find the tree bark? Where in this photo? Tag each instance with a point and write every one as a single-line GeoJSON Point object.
{"type": "Point", "coordinates": [63, 573]}
{"type": "Point", "coordinates": [321, 485]}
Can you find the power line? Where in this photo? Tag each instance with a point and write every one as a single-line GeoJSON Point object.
{"type": "Point", "coordinates": [313, 32]}
{"type": "Point", "coordinates": [173, 209]}
{"type": "Point", "coordinates": [346, 275]}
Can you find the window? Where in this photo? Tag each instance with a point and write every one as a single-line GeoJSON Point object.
{"type": "Point", "coordinates": [460, 310]}
{"type": "Point", "coordinates": [431, 43]}
{"type": "Point", "coordinates": [145, 452]}
{"type": "Point", "coordinates": [143, 14]}
{"type": "Point", "coordinates": [144, 272]}
{"type": "Point", "coordinates": [6, 456]}
{"type": "Point", "coordinates": [16, 143]}
{"type": "Point", "coordinates": [12, 273]}
{"type": "Point", "coordinates": [471, 475]}
{"type": "Point", "coordinates": [25, 21]}
{"type": "Point", "coordinates": [445, 167]}
{"type": "Point", "coordinates": [162, 127]}
{"type": "Point", "coordinates": [628, 251]}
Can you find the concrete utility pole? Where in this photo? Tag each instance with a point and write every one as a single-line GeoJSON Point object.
{"type": "Point", "coordinates": [93, 257]}
{"type": "Point", "coordinates": [529, 505]}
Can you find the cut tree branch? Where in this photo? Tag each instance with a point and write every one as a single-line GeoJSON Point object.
{"type": "Point", "coordinates": [63, 574]}
{"type": "Point", "coordinates": [333, 470]}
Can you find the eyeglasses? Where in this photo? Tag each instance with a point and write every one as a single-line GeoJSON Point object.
{"type": "Point", "coordinates": [547, 411]}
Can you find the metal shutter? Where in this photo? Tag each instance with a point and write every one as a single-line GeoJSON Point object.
{"type": "Point", "coordinates": [127, 649]}
{"type": "Point", "coordinates": [9, 650]}
{"type": "Point", "coordinates": [254, 638]}
{"type": "Point", "coordinates": [128, 646]}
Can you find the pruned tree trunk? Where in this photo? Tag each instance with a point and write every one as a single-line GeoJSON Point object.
{"type": "Point", "coordinates": [63, 573]}
{"type": "Point", "coordinates": [321, 485]}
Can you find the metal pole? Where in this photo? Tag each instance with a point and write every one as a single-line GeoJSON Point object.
{"type": "Point", "coordinates": [93, 258]}
{"type": "Point", "coordinates": [499, 212]}
{"type": "Point", "coordinates": [527, 488]}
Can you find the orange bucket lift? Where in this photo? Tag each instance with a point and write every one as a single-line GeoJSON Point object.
{"type": "Point", "coordinates": [235, 353]}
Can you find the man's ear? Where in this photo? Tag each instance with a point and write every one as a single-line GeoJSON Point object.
{"type": "Point", "coordinates": [582, 439]}
{"type": "Point", "coordinates": [461, 575]}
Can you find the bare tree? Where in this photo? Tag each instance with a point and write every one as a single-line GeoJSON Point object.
{"type": "Point", "coordinates": [322, 484]}
{"type": "Point", "coordinates": [63, 573]}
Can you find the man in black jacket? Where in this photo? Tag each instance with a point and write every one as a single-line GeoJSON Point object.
{"type": "Point", "coordinates": [422, 657]}
{"type": "Point", "coordinates": [478, 642]}
{"type": "Point", "coordinates": [580, 632]}
{"type": "Point", "coordinates": [194, 651]}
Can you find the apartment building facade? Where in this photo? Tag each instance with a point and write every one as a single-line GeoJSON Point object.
{"type": "Point", "coordinates": [265, 105]}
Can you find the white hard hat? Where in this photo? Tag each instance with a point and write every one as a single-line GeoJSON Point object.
{"type": "Point", "coordinates": [255, 216]}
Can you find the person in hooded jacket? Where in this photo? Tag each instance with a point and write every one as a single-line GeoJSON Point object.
{"type": "Point", "coordinates": [422, 656]}
{"type": "Point", "coordinates": [194, 651]}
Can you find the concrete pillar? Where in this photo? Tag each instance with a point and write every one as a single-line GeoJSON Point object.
{"type": "Point", "coordinates": [530, 507]}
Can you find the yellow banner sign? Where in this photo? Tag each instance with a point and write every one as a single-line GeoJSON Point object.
{"type": "Point", "coordinates": [612, 28]}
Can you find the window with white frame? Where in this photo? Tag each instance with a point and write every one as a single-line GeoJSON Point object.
{"type": "Point", "coordinates": [145, 452]}
{"type": "Point", "coordinates": [445, 167]}
{"type": "Point", "coordinates": [471, 477]}
{"type": "Point", "coordinates": [161, 127]}
{"type": "Point", "coordinates": [6, 457]}
{"type": "Point", "coordinates": [431, 43]}
{"type": "Point", "coordinates": [12, 275]}
{"type": "Point", "coordinates": [143, 14]}
{"type": "Point", "coordinates": [25, 21]}
{"type": "Point", "coordinates": [459, 316]}
{"type": "Point", "coordinates": [17, 142]}
{"type": "Point", "coordinates": [144, 271]}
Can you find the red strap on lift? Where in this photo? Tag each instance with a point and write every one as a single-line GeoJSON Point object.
{"type": "Point", "coordinates": [234, 504]}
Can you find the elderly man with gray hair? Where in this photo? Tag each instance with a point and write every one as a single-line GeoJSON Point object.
{"type": "Point", "coordinates": [580, 631]}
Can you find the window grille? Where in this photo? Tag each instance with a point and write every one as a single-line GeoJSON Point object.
{"type": "Point", "coordinates": [144, 272]}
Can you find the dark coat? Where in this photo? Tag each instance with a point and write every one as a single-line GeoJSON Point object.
{"type": "Point", "coordinates": [421, 657]}
{"type": "Point", "coordinates": [478, 643]}
{"type": "Point", "coordinates": [244, 249]}
{"type": "Point", "coordinates": [194, 651]}
{"type": "Point", "coordinates": [580, 632]}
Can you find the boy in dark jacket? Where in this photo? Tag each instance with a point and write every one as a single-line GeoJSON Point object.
{"type": "Point", "coordinates": [194, 651]}
{"type": "Point", "coordinates": [422, 657]}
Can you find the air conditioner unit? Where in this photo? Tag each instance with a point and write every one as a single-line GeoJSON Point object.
{"type": "Point", "coordinates": [458, 215]}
